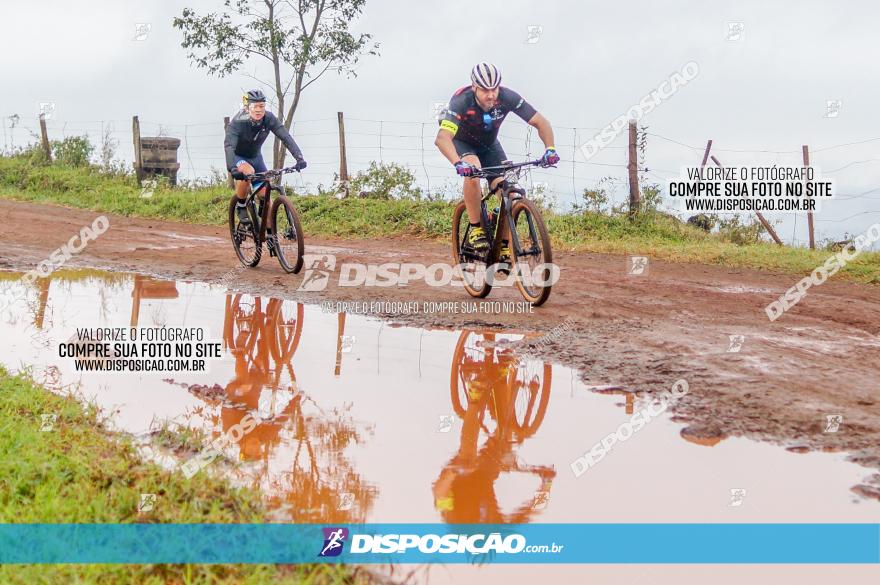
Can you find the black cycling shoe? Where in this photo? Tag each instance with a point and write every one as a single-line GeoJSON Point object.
{"type": "Point", "coordinates": [242, 212]}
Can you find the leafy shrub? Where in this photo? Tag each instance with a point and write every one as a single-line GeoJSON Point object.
{"type": "Point", "coordinates": [595, 200]}
{"type": "Point", "coordinates": [111, 166]}
{"type": "Point", "coordinates": [385, 181]}
{"type": "Point", "coordinates": [598, 199]}
{"type": "Point", "coordinates": [651, 198]}
{"type": "Point", "coordinates": [741, 232]}
{"type": "Point", "coordinates": [32, 154]}
{"type": "Point", "coordinates": [73, 151]}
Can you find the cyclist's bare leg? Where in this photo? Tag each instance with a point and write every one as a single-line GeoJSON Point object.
{"type": "Point", "coordinates": [262, 192]}
{"type": "Point", "coordinates": [471, 191]}
{"type": "Point", "coordinates": [473, 194]}
{"type": "Point", "coordinates": [242, 188]}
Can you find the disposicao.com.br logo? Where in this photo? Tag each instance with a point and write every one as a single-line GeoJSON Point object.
{"type": "Point", "coordinates": [472, 544]}
{"type": "Point", "coordinates": [334, 541]}
{"type": "Point", "coordinates": [321, 267]}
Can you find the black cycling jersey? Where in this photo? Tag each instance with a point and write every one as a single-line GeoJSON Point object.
{"type": "Point", "coordinates": [244, 137]}
{"type": "Point", "coordinates": [469, 123]}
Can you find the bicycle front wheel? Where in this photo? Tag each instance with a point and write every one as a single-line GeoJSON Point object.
{"type": "Point", "coordinates": [245, 240]}
{"type": "Point", "coordinates": [472, 268]}
{"type": "Point", "coordinates": [286, 229]}
{"type": "Point", "coordinates": [535, 271]}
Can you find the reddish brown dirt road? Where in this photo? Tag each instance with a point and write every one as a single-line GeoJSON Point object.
{"type": "Point", "coordinates": [637, 332]}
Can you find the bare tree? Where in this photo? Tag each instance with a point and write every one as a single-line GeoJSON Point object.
{"type": "Point", "coordinates": [300, 39]}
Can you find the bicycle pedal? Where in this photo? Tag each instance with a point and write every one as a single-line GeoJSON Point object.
{"type": "Point", "coordinates": [465, 247]}
{"type": "Point", "coordinates": [472, 256]}
{"type": "Point", "coordinates": [478, 259]}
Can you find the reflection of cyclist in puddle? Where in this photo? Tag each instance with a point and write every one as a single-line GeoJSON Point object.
{"type": "Point", "coordinates": [490, 379]}
{"type": "Point", "coordinates": [308, 476]}
{"type": "Point", "coordinates": [257, 340]}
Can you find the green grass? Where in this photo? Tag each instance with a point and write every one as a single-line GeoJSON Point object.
{"type": "Point", "coordinates": [655, 235]}
{"type": "Point", "coordinates": [80, 473]}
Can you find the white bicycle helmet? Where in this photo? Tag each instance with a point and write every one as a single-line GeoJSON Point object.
{"type": "Point", "coordinates": [486, 76]}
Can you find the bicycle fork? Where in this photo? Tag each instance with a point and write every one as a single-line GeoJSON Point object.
{"type": "Point", "coordinates": [535, 249]}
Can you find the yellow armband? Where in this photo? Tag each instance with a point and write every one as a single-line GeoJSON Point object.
{"type": "Point", "coordinates": [449, 125]}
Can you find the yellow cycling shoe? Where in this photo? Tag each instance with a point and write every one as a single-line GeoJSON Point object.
{"type": "Point", "coordinates": [504, 259]}
{"type": "Point", "coordinates": [505, 253]}
{"type": "Point", "coordinates": [477, 239]}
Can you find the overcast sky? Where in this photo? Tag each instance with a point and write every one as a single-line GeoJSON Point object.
{"type": "Point", "coordinates": [592, 61]}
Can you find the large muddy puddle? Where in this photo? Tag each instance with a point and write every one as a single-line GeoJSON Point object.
{"type": "Point", "coordinates": [362, 421]}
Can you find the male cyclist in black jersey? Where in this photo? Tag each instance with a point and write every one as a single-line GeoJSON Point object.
{"type": "Point", "coordinates": [468, 138]}
{"type": "Point", "coordinates": [245, 135]}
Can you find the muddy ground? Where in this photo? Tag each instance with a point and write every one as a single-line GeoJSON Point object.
{"type": "Point", "coordinates": [638, 332]}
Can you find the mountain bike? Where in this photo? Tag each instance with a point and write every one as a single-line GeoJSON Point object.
{"type": "Point", "coordinates": [532, 255]}
{"type": "Point", "coordinates": [274, 222]}
{"type": "Point", "coordinates": [501, 401]}
{"type": "Point", "coordinates": [522, 387]}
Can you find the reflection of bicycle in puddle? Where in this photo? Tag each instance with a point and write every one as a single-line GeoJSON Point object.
{"type": "Point", "coordinates": [262, 337]}
{"type": "Point", "coordinates": [295, 447]}
{"type": "Point", "coordinates": [504, 398]}
{"type": "Point", "coordinates": [263, 342]}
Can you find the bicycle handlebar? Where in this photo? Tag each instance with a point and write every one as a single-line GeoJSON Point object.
{"type": "Point", "coordinates": [500, 169]}
{"type": "Point", "coordinates": [270, 173]}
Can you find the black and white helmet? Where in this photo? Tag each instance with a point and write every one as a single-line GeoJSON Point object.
{"type": "Point", "coordinates": [486, 76]}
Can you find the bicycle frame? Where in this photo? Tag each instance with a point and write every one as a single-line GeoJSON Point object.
{"type": "Point", "coordinates": [471, 363]}
{"type": "Point", "coordinates": [507, 186]}
{"type": "Point", "coordinates": [261, 206]}
{"type": "Point", "coordinates": [259, 182]}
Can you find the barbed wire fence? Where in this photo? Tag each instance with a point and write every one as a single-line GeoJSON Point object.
{"type": "Point", "coordinates": [411, 145]}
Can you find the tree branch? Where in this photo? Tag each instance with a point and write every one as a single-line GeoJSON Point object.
{"type": "Point", "coordinates": [318, 76]}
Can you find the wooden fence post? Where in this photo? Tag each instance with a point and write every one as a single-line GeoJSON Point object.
{"type": "Point", "coordinates": [340, 332]}
{"type": "Point", "coordinates": [633, 171]}
{"type": "Point", "coordinates": [230, 182]}
{"type": "Point", "coordinates": [761, 218]}
{"type": "Point", "coordinates": [44, 137]}
{"type": "Point", "coordinates": [706, 153]}
{"type": "Point", "coordinates": [343, 163]}
{"type": "Point", "coordinates": [136, 138]}
{"type": "Point", "coordinates": [806, 150]}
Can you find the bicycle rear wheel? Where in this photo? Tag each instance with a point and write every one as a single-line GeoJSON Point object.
{"type": "Point", "coordinates": [531, 382]}
{"type": "Point", "coordinates": [533, 262]}
{"type": "Point", "coordinates": [285, 329]}
{"type": "Point", "coordinates": [245, 240]}
{"type": "Point", "coordinates": [473, 268]}
{"type": "Point", "coordinates": [286, 230]}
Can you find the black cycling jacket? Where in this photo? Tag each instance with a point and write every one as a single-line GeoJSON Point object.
{"type": "Point", "coordinates": [244, 137]}
{"type": "Point", "coordinates": [469, 123]}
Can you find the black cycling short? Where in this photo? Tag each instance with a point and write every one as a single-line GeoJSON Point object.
{"type": "Point", "coordinates": [490, 156]}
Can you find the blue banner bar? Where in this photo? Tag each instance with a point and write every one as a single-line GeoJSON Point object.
{"type": "Point", "coordinates": [441, 543]}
